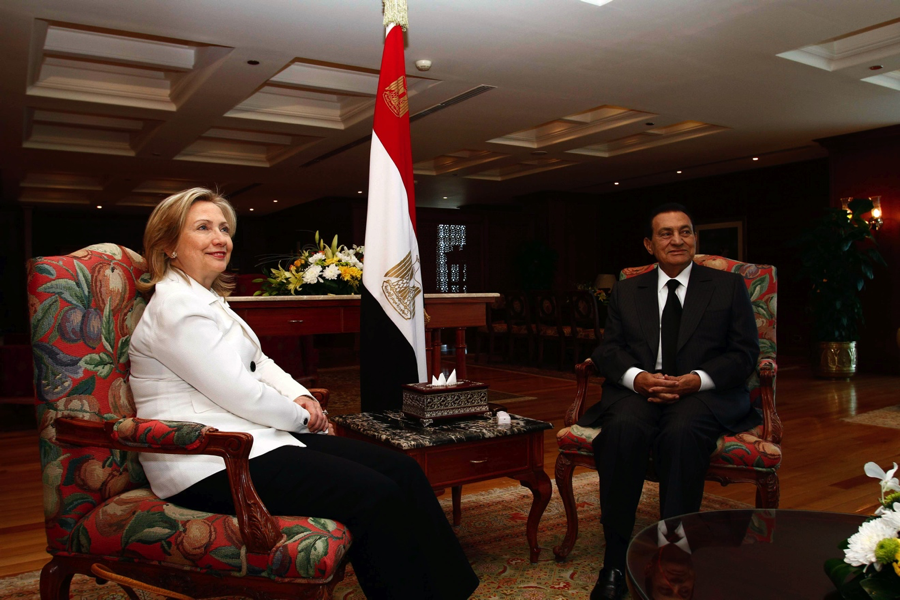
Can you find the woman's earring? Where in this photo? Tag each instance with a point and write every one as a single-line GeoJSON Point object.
{"type": "Point", "coordinates": [174, 255]}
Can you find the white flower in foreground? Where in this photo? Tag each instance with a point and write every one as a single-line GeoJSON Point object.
{"type": "Point", "coordinates": [316, 258]}
{"type": "Point", "coordinates": [888, 481]}
{"type": "Point", "coordinates": [311, 275]}
{"type": "Point", "coordinates": [892, 517]}
{"type": "Point", "coordinates": [331, 272]}
{"type": "Point", "coordinates": [861, 550]}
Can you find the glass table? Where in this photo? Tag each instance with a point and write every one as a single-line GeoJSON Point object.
{"type": "Point", "coordinates": [739, 554]}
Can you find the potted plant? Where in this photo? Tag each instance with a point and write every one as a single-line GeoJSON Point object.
{"type": "Point", "coordinates": [838, 253]}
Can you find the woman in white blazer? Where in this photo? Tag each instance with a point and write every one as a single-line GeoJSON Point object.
{"type": "Point", "coordinates": [194, 359]}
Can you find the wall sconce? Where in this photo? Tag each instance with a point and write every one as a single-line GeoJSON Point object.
{"type": "Point", "coordinates": [876, 221]}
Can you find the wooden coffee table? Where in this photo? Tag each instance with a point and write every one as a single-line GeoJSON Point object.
{"type": "Point", "coordinates": [741, 554]}
{"type": "Point", "coordinates": [464, 451]}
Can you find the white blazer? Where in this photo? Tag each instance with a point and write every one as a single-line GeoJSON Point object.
{"type": "Point", "coordinates": [194, 359]}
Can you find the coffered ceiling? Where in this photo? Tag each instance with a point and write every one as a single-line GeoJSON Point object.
{"type": "Point", "coordinates": [117, 104]}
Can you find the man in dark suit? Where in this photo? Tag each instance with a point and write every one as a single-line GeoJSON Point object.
{"type": "Point", "coordinates": [679, 345]}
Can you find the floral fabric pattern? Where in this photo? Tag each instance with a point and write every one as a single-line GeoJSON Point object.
{"type": "Point", "coordinates": [138, 525]}
{"type": "Point", "coordinates": [84, 308]}
{"type": "Point", "coordinates": [144, 433]}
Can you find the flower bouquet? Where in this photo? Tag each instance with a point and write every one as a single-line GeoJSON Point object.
{"type": "Point", "coordinates": [601, 295]}
{"type": "Point", "coordinates": [871, 565]}
{"type": "Point", "coordinates": [319, 270]}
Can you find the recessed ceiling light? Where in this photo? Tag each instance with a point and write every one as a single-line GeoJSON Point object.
{"type": "Point", "coordinates": [755, 158]}
{"type": "Point", "coordinates": [251, 210]}
{"type": "Point", "coordinates": [597, 2]}
{"type": "Point", "coordinates": [445, 197]}
{"type": "Point", "coordinates": [359, 192]}
{"type": "Point", "coordinates": [616, 183]}
{"type": "Point", "coordinates": [276, 201]}
{"type": "Point", "coordinates": [99, 206]}
{"type": "Point", "coordinates": [678, 172]}
{"type": "Point", "coordinates": [876, 67]}
{"type": "Point", "coordinates": [252, 63]}
{"type": "Point", "coordinates": [649, 124]}
{"type": "Point", "coordinates": [539, 152]}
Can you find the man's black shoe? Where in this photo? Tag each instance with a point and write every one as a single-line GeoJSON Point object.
{"type": "Point", "coordinates": [610, 585]}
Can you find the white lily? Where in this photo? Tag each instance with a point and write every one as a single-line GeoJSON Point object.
{"type": "Point", "coordinates": [888, 481]}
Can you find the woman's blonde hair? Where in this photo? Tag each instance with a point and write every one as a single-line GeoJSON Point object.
{"type": "Point", "coordinates": [164, 228]}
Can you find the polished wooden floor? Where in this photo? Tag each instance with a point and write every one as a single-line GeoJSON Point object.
{"type": "Point", "coordinates": [822, 470]}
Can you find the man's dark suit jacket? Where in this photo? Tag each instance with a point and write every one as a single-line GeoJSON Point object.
{"type": "Point", "coordinates": [718, 335]}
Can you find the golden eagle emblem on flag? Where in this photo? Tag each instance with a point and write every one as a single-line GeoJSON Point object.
{"type": "Point", "coordinates": [395, 97]}
{"type": "Point", "coordinates": [401, 288]}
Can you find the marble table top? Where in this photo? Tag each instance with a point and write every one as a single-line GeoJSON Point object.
{"type": "Point", "coordinates": [405, 433]}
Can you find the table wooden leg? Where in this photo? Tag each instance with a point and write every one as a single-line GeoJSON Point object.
{"type": "Point", "coordinates": [539, 484]}
{"type": "Point", "coordinates": [429, 352]}
{"type": "Point", "coordinates": [460, 353]}
{"type": "Point", "coordinates": [457, 510]}
{"type": "Point", "coordinates": [436, 352]}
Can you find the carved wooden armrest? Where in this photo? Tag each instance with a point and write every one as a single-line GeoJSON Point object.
{"type": "Point", "coordinates": [583, 372]}
{"type": "Point", "coordinates": [259, 529]}
{"type": "Point", "coordinates": [772, 428]}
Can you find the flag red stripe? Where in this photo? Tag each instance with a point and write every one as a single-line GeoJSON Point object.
{"type": "Point", "coordinates": [393, 131]}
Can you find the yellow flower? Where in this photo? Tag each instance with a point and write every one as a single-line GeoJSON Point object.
{"type": "Point", "coordinates": [350, 273]}
{"type": "Point", "coordinates": [330, 261]}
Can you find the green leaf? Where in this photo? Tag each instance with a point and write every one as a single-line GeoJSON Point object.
{"type": "Point", "coordinates": [74, 501]}
{"type": "Point", "coordinates": [44, 318]}
{"type": "Point", "coordinates": [149, 528]}
{"type": "Point", "coordinates": [101, 363]}
{"type": "Point", "coordinates": [310, 552]}
{"type": "Point", "coordinates": [294, 531]}
{"type": "Point", "coordinates": [229, 555]}
{"type": "Point", "coordinates": [323, 524]}
{"type": "Point", "coordinates": [124, 345]}
{"type": "Point", "coordinates": [758, 286]}
{"type": "Point", "coordinates": [45, 269]}
{"type": "Point", "coordinates": [81, 539]}
{"type": "Point", "coordinates": [108, 328]}
{"type": "Point", "coordinates": [85, 388]}
{"type": "Point", "coordinates": [84, 282]}
{"type": "Point", "coordinates": [882, 588]}
{"type": "Point", "coordinates": [66, 289]}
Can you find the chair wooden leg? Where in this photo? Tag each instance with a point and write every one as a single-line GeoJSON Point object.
{"type": "Point", "coordinates": [55, 580]}
{"type": "Point", "coordinates": [564, 471]}
{"type": "Point", "coordinates": [768, 492]}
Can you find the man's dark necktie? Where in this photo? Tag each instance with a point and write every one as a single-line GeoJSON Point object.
{"type": "Point", "coordinates": [670, 323]}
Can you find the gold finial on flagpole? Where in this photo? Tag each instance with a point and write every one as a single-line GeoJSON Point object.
{"type": "Point", "coordinates": [395, 12]}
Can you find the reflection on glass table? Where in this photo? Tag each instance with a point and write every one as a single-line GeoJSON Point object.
{"type": "Point", "coordinates": [732, 554]}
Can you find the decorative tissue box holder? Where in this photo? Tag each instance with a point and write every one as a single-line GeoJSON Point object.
{"type": "Point", "coordinates": [428, 402]}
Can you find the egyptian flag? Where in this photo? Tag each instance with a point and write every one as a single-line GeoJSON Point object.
{"type": "Point", "coordinates": [392, 338]}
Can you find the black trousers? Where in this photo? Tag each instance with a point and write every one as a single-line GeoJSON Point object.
{"type": "Point", "coordinates": [680, 437]}
{"type": "Point", "coordinates": [403, 545]}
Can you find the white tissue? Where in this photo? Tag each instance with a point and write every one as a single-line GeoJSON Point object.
{"type": "Point", "coordinates": [444, 381]}
{"type": "Point", "coordinates": [503, 420]}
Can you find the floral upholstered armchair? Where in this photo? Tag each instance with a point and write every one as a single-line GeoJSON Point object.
{"type": "Point", "coordinates": [748, 457]}
{"type": "Point", "coordinates": [98, 506]}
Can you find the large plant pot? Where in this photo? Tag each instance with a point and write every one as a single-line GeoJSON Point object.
{"type": "Point", "coordinates": [837, 360]}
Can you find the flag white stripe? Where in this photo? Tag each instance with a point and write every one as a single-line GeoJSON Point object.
{"type": "Point", "coordinates": [386, 246]}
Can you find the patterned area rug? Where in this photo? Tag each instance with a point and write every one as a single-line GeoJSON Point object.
{"type": "Point", "coordinates": [343, 387]}
{"type": "Point", "coordinates": [884, 417]}
{"type": "Point", "coordinates": [493, 535]}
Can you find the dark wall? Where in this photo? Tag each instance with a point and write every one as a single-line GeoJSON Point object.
{"type": "Point", "coordinates": [865, 164]}
{"type": "Point", "coordinates": [591, 234]}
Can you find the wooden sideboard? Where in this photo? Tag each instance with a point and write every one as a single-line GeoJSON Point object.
{"type": "Point", "coordinates": [297, 316]}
